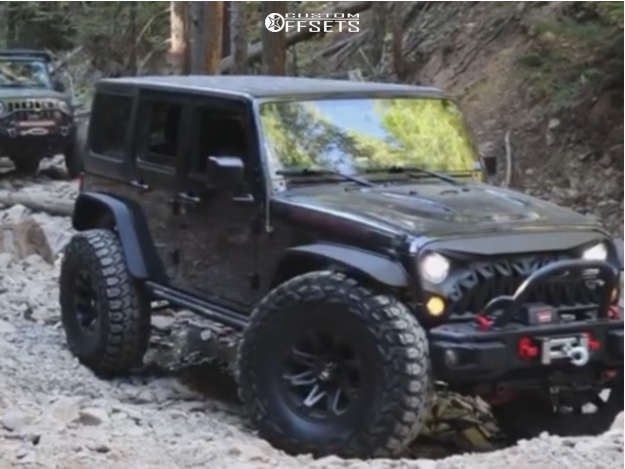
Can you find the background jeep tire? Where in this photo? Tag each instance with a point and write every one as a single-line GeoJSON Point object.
{"type": "Point", "coordinates": [104, 311]}
{"type": "Point", "coordinates": [74, 150]}
{"type": "Point", "coordinates": [530, 414]}
{"type": "Point", "coordinates": [26, 164]}
{"type": "Point", "coordinates": [328, 367]}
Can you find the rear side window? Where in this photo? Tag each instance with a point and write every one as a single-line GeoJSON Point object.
{"type": "Point", "coordinates": [162, 139]}
{"type": "Point", "coordinates": [109, 124]}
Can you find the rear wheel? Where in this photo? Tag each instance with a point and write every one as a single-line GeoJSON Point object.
{"type": "Point", "coordinates": [104, 311]}
{"type": "Point", "coordinates": [26, 164]}
{"type": "Point", "coordinates": [327, 366]}
{"type": "Point", "coordinates": [581, 413]}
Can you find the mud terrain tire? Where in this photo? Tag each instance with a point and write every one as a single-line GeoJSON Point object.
{"type": "Point", "coordinates": [104, 311]}
{"type": "Point", "coordinates": [26, 164]}
{"type": "Point", "coordinates": [383, 402]}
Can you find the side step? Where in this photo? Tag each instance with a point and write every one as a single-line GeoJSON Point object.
{"type": "Point", "coordinates": [214, 312]}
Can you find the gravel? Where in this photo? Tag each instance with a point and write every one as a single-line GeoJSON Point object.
{"type": "Point", "coordinates": [55, 413]}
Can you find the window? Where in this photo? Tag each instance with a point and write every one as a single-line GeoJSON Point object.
{"type": "Point", "coordinates": [218, 135]}
{"type": "Point", "coordinates": [110, 124]}
{"type": "Point", "coordinates": [163, 132]}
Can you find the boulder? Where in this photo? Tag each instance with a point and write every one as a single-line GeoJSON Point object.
{"type": "Point", "coordinates": [25, 237]}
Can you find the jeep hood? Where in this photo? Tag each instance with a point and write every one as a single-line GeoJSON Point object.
{"type": "Point", "coordinates": [26, 93]}
{"type": "Point", "coordinates": [439, 209]}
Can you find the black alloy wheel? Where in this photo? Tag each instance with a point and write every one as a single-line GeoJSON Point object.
{"type": "Point", "coordinates": [327, 366]}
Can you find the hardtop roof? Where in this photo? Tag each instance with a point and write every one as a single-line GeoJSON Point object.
{"type": "Point", "coordinates": [263, 86]}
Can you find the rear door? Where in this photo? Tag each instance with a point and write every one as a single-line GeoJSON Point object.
{"type": "Point", "coordinates": [161, 133]}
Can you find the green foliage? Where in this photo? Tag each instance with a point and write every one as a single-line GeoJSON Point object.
{"type": "Point", "coordinates": [40, 25]}
{"type": "Point", "coordinates": [107, 31]}
{"type": "Point", "coordinates": [557, 65]}
{"type": "Point", "coordinates": [611, 12]}
{"type": "Point", "coordinates": [544, 59]}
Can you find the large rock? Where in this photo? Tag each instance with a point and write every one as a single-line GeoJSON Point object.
{"type": "Point", "coordinates": [23, 238]}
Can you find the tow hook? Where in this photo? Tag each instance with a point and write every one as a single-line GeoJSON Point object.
{"type": "Point", "coordinates": [579, 355]}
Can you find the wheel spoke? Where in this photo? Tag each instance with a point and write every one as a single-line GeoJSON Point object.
{"type": "Point", "coordinates": [305, 378]}
{"type": "Point", "coordinates": [333, 404]}
{"type": "Point", "coordinates": [314, 396]}
{"type": "Point", "coordinates": [598, 401]}
{"type": "Point", "coordinates": [303, 358]}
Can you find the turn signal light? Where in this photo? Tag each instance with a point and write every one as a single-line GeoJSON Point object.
{"type": "Point", "coordinates": [435, 306]}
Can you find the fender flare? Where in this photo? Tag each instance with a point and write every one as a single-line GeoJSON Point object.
{"type": "Point", "coordinates": [131, 226]}
{"type": "Point", "coordinates": [373, 265]}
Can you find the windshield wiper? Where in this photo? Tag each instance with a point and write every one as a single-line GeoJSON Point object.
{"type": "Point", "coordinates": [324, 172]}
{"type": "Point", "coordinates": [414, 169]}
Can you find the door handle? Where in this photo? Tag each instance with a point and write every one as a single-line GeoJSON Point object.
{"type": "Point", "coordinates": [243, 199]}
{"type": "Point", "coordinates": [139, 185]}
{"type": "Point", "coordinates": [186, 198]}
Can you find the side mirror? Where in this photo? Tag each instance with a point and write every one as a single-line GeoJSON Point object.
{"type": "Point", "coordinates": [226, 172]}
{"type": "Point", "coordinates": [490, 165]}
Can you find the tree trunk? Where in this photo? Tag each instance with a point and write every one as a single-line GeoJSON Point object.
{"type": "Point", "coordinates": [11, 24]}
{"type": "Point", "coordinates": [214, 18]}
{"type": "Point", "coordinates": [38, 203]}
{"type": "Point", "coordinates": [238, 37]}
{"type": "Point", "coordinates": [378, 32]}
{"type": "Point", "coordinates": [225, 28]}
{"type": "Point", "coordinates": [399, 63]}
{"type": "Point", "coordinates": [274, 44]}
{"type": "Point", "coordinates": [255, 50]}
{"type": "Point", "coordinates": [196, 36]}
{"type": "Point", "coordinates": [132, 33]}
{"type": "Point", "coordinates": [178, 37]}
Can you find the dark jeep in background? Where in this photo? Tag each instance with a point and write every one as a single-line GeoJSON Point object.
{"type": "Point", "coordinates": [36, 115]}
{"type": "Point", "coordinates": [346, 229]}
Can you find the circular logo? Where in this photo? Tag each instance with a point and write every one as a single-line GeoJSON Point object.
{"type": "Point", "coordinates": [274, 22]}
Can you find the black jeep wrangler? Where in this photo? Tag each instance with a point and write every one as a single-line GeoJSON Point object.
{"type": "Point", "coordinates": [345, 229]}
{"type": "Point", "coordinates": [36, 116]}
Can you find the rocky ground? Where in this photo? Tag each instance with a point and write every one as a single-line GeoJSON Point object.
{"type": "Point", "coordinates": [181, 410]}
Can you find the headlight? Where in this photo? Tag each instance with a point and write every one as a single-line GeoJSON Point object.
{"type": "Point", "coordinates": [63, 107]}
{"type": "Point", "coordinates": [598, 252]}
{"type": "Point", "coordinates": [434, 267]}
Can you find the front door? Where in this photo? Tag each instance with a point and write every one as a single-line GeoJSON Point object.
{"type": "Point", "coordinates": [218, 228]}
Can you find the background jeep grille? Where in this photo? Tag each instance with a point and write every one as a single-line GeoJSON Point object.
{"type": "Point", "coordinates": [481, 281]}
{"type": "Point", "coordinates": [31, 105]}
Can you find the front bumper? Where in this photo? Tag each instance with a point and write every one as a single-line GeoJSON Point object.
{"type": "Point", "coordinates": [48, 140]}
{"type": "Point", "coordinates": [490, 349]}
{"type": "Point", "coordinates": [480, 356]}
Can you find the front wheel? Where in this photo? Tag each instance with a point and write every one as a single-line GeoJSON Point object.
{"type": "Point", "coordinates": [26, 164]}
{"type": "Point", "coordinates": [328, 367]}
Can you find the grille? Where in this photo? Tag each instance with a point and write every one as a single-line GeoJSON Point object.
{"type": "Point", "coordinates": [31, 115]}
{"type": "Point", "coordinates": [482, 281]}
{"type": "Point", "coordinates": [30, 105]}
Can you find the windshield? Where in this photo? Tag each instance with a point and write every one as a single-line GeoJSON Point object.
{"type": "Point", "coordinates": [24, 73]}
{"type": "Point", "coordinates": [366, 135]}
